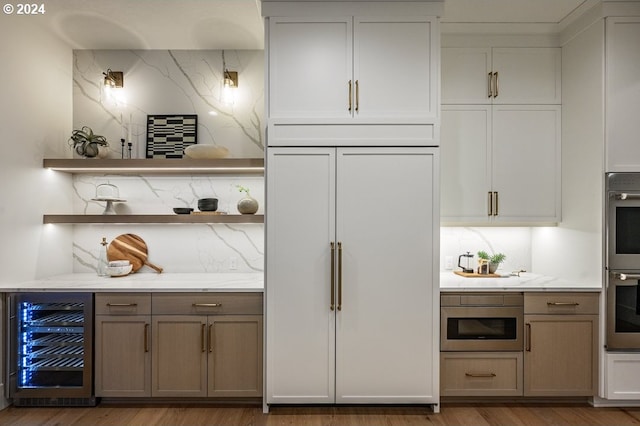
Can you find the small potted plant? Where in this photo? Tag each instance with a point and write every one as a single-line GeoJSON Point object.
{"type": "Point", "coordinates": [493, 261]}
{"type": "Point", "coordinates": [248, 204]}
{"type": "Point", "coordinates": [88, 144]}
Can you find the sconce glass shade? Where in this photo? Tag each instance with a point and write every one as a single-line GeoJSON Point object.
{"type": "Point", "coordinates": [113, 79]}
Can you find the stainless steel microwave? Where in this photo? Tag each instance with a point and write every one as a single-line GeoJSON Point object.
{"type": "Point", "coordinates": [623, 221]}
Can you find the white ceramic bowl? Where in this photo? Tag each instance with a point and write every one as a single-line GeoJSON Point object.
{"type": "Point", "coordinates": [119, 263]}
{"type": "Point", "coordinates": [119, 271]}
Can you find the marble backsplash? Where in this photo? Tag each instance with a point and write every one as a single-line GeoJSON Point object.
{"type": "Point", "coordinates": [180, 247]}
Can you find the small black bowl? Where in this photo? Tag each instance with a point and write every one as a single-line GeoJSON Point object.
{"type": "Point", "coordinates": [182, 210]}
{"type": "Point", "coordinates": [208, 204]}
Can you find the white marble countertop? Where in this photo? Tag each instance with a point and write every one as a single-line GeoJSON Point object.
{"type": "Point", "coordinates": [525, 282]}
{"type": "Point", "coordinates": [151, 282]}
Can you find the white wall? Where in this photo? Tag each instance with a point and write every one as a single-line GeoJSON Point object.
{"type": "Point", "coordinates": [573, 249]}
{"type": "Point", "coordinates": [35, 120]}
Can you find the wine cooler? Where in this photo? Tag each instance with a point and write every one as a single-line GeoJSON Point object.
{"type": "Point", "coordinates": [51, 357]}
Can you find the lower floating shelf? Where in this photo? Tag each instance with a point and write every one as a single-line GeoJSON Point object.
{"type": "Point", "coordinates": [151, 218]}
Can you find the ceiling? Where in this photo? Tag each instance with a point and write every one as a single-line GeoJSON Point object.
{"type": "Point", "coordinates": [237, 24]}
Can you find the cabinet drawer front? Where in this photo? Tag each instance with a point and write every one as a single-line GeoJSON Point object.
{"type": "Point", "coordinates": [561, 303]}
{"type": "Point", "coordinates": [123, 304]}
{"type": "Point", "coordinates": [481, 373]}
{"type": "Point", "coordinates": [213, 303]}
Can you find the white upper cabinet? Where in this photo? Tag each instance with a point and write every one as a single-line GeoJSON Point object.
{"type": "Point", "coordinates": [523, 75]}
{"type": "Point", "coordinates": [331, 78]}
{"type": "Point", "coordinates": [622, 94]}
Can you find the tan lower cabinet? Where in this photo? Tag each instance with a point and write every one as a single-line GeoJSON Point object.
{"type": "Point", "coordinates": [481, 373]}
{"type": "Point", "coordinates": [561, 343]}
{"type": "Point", "coordinates": [207, 345]}
{"type": "Point", "coordinates": [122, 345]}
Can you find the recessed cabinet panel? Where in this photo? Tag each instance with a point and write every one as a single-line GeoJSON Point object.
{"type": "Point", "coordinates": [310, 66]}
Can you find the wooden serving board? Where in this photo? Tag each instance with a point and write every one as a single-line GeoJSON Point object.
{"type": "Point", "coordinates": [132, 248]}
{"type": "Point", "coordinates": [475, 275]}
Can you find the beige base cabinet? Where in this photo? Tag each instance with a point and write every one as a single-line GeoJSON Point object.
{"type": "Point", "coordinates": [561, 343]}
{"type": "Point", "coordinates": [207, 345]}
{"type": "Point", "coordinates": [122, 345]}
{"type": "Point", "coordinates": [481, 373]}
{"type": "Point", "coordinates": [193, 345]}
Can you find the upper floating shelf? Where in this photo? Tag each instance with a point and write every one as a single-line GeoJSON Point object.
{"type": "Point", "coordinates": [227, 166]}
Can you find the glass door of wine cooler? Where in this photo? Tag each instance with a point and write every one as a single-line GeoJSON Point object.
{"type": "Point", "coordinates": [51, 357]}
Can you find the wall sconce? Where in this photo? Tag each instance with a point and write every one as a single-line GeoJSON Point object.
{"type": "Point", "coordinates": [113, 79]}
{"type": "Point", "coordinates": [229, 83]}
{"type": "Point", "coordinates": [230, 79]}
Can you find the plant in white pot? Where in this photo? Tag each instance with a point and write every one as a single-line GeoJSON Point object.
{"type": "Point", "coordinates": [494, 260]}
{"type": "Point", "coordinates": [248, 204]}
{"type": "Point", "coordinates": [88, 144]}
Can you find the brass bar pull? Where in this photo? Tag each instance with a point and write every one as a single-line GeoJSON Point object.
{"type": "Point", "coordinates": [528, 346]}
{"type": "Point", "coordinates": [339, 276]}
{"type": "Point", "coordinates": [490, 210]}
{"type": "Point", "coordinates": [146, 337]}
{"type": "Point", "coordinates": [357, 95]}
{"type": "Point", "coordinates": [495, 84]}
{"type": "Point", "coordinates": [333, 276]}
{"type": "Point", "coordinates": [121, 305]}
{"type": "Point", "coordinates": [350, 96]}
{"type": "Point", "coordinates": [207, 305]}
{"type": "Point", "coordinates": [210, 338]}
{"type": "Point", "coordinates": [490, 85]}
{"type": "Point", "coordinates": [495, 203]}
{"type": "Point", "coordinates": [202, 337]}
{"type": "Point", "coordinates": [562, 304]}
{"type": "Point", "coordinates": [480, 374]}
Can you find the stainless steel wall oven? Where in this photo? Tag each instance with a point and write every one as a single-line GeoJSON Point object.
{"type": "Point", "coordinates": [50, 359]}
{"type": "Point", "coordinates": [481, 322]}
{"type": "Point", "coordinates": [622, 261]}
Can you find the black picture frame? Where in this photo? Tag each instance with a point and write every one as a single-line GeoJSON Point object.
{"type": "Point", "coordinates": [168, 135]}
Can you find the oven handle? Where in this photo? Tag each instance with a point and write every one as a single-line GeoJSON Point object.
{"type": "Point", "coordinates": [625, 196]}
{"type": "Point", "coordinates": [623, 277]}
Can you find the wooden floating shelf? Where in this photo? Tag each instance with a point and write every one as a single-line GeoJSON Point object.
{"type": "Point", "coordinates": [151, 218]}
{"type": "Point", "coordinates": [229, 166]}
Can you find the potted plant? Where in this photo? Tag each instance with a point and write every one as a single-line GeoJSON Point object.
{"type": "Point", "coordinates": [248, 204]}
{"type": "Point", "coordinates": [88, 144]}
{"type": "Point", "coordinates": [494, 260]}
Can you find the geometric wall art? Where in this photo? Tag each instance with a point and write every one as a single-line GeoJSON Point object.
{"type": "Point", "coordinates": [169, 135]}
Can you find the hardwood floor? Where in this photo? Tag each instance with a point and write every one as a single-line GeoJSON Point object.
{"type": "Point", "coordinates": [450, 415]}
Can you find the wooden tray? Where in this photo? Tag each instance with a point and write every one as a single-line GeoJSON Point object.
{"type": "Point", "coordinates": [474, 275]}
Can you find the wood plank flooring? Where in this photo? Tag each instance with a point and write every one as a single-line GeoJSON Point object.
{"type": "Point", "coordinates": [450, 415]}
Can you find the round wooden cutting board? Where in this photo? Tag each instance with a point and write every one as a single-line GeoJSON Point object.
{"type": "Point", "coordinates": [132, 248]}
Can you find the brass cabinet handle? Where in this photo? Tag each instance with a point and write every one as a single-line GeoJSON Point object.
{"type": "Point", "coordinates": [210, 338]}
{"type": "Point", "coordinates": [480, 374]}
{"type": "Point", "coordinates": [490, 85]}
{"type": "Point", "coordinates": [490, 204]}
{"type": "Point", "coordinates": [495, 203]}
{"type": "Point", "coordinates": [357, 95]}
{"type": "Point", "coordinates": [563, 304]}
{"type": "Point", "coordinates": [146, 337]}
{"type": "Point", "coordinates": [350, 96]}
{"type": "Point", "coordinates": [333, 276]}
{"type": "Point", "coordinates": [495, 84]}
{"type": "Point", "coordinates": [202, 337]}
{"type": "Point", "coordinates": [207, 305]}
{"type": "Point", "coordinates": [339, 276]}
{"type": "Point", "coordinates": [121, 305]}
{"type": "Point", "coordinates": [528, 346]}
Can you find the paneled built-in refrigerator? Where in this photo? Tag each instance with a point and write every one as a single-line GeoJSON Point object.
{"type": "Point", "coordinates": [50, 358]}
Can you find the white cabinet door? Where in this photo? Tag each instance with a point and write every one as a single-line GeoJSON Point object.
{"type": "Point", "coordinates": [526, 163]}
{"type": "Point", "coordinates": [621, 376]}
{"type": "Point", "coordinates": [465, 163]}
{"type": "Point", "coordinates": [394, 69]}
{"type": "Point", "coordinates": [300, 226]}
{"type": "Point", "coordinates": [524, 75]}
{"type": "Point", "coordinates": [379, 342]}
{"type": "Point", "coordinates": [622, 94]}
{"type": "Point", "coordinates": [310, 66]}
{"type": "Point", "coordinates": [501, 164]}
{"type": "Point", "coordinates": [385, 330]}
